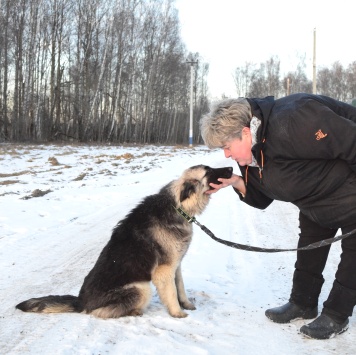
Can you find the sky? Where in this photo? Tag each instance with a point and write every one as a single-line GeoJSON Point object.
{"type": "Point", "coordinates": [229, 33]}
{"type": "Point", "coordinates": [49, 243]}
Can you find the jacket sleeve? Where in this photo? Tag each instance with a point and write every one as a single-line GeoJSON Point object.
{"type": "Point", "coordinates": [324, 130]}
{"type": "Point", "coordinates": [254, 196]}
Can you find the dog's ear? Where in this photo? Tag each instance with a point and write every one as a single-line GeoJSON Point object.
{"type": "Point", "coordinates": [188, 188]}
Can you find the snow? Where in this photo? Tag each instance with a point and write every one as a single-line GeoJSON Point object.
{"type": "Point", "coordinates": [49, 243]}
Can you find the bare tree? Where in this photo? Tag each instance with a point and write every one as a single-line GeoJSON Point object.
{"type": "Point", "coordinates": [272, 76]}
{"type": "Point", "coordinates": [104, 70]}
{"type": "Point", "coordinates": [351, 80]}
{"type": "Point", "coordinates": [297, 80]}
{"type": "Point", "coordinates": [5, 43]}
{"type": "Point", "coordinates": [242, 78]}
{"type": "Point", "coordinates": [94, 70]}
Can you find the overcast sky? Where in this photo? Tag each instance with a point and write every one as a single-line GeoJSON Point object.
{"type": "Point", "coordinates": [229, 33]}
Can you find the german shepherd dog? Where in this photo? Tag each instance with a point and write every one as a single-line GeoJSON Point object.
{"type": "Point", "coordinates": [147, 245]}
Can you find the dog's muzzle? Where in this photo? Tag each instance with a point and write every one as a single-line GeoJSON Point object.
{"type": "Point", "coordinates": [214, 174]}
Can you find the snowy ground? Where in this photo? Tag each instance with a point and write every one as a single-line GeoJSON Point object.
{"type": "Point", "coordinates": [58, 205]}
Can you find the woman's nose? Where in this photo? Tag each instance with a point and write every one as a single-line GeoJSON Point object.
{"type": "Point", "coordinates": [227, 153]}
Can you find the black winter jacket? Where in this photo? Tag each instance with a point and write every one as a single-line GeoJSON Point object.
{"type": "Point", "coordinates": [306, 148]}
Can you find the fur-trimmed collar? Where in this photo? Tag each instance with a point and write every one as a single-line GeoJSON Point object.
{"type": "Point", "coordinates": [254, 125]}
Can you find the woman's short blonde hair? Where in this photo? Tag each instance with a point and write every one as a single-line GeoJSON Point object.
{"type": "Point", "coordinates": [225, 121]}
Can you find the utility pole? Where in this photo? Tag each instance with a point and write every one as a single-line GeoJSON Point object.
{"type": "Point", "coordinates": [314, 63]}
{"type": "Point", "coordinates": [192, 63]}
{"type": "Point", "coordinates": [288, 86]}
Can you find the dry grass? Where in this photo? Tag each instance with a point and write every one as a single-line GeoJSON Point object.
{"type": "Point", "coordinates": [127, 156]}
{"type": "Point", "coordinates": [80, 177]}
{"type": "Point", "coordinates": [36, 193]}
{"type": "Point", "coordinates": [70, 152]}
{"type": "Point", "coordinates": [118, 161]}
{"type": "Point", "coordinates": [53, 161]}
{"type": "Point", "coordinates": [19, 173]}
{"type": "Point", "coordinates": [8, 182]}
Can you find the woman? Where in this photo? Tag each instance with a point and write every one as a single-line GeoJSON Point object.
{"type": "Point", "coordinates": [299, 149]}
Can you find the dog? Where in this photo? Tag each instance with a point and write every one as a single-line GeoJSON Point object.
{"type": "Point", "coordinates": [147, 245]}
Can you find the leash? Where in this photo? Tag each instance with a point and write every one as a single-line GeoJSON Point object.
{"type": "Point", "coordinates": [322, 243]}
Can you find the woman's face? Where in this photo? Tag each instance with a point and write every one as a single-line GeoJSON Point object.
{"type": "Point", "coordinates": [240, 149]}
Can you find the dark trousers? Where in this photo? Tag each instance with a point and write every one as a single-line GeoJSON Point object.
{"type": "Point", "coordinates": [308, 278]}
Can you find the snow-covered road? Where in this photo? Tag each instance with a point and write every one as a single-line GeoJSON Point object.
{"type": "Point", "coordinates": [49, 243]}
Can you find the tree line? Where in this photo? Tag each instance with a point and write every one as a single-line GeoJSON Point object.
{"type": "Point", "coordinates": [259, 80]}
{"type": "Point", "coordinates": [117, 71]}
{"type": "Point", "coordinates": [96, 70]}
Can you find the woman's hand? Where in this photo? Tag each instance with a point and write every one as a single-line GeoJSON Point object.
{"type": "Point", "coordinates": [235, 181]}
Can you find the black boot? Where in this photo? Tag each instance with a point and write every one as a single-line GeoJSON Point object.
{"type": "Point", "coordinates": [303, 302]}
{"type": "Point", "coordinates": [289, 312]}
{"type": "Point", "coordinates": [324, 327]}
{"type": "Point", "coordinates": [340, 303]}
{"type": "Point", "coordinates": [306, 289]}
{"type": "Point", "coordinates": [334, 318]}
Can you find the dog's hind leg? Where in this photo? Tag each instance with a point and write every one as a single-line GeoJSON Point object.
{"type": "Point", "coordinates": [163, 278]}
{"type": "Point", "coordinates": [182, 296]}
{"type": "Point", "coordinates": [129, 300]}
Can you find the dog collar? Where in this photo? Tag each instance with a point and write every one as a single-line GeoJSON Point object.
{"type": "Point", "coordinates": [184, 214]}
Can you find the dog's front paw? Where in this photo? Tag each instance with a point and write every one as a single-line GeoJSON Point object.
{"type": "Point", "coordinates": [188, 305]}
{"type": "Point", "coordinates": [180, 314]}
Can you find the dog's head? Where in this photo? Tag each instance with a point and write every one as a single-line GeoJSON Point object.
{"type": "Point", "coordinates": [194, 183]}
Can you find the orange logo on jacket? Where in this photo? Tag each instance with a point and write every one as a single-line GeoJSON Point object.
{"type": "Point", "coordinates": [320, 135]}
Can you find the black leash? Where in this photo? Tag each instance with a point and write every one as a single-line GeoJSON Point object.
{"type": "Point", "coordinates": [322, 243]}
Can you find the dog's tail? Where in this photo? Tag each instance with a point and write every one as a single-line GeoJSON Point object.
{"type": "Point", "coordinates": [52, 304]}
